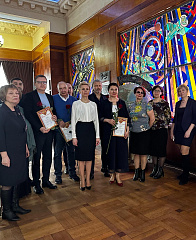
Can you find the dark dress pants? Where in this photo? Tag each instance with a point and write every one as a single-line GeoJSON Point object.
{"type": "Point", "coordinates": [44, 147]}
{"type": "Point", "coordinates": [59, 146]}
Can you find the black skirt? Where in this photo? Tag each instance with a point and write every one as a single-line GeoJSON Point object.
{"type": "Point", "coordinates": [181, 140]}
{"type": "Point", "coordinates": [140, 142]}
{"type": "Point", "coordinates": [86, 136]}
{"type": "Point", "coordinates": [158, 144]}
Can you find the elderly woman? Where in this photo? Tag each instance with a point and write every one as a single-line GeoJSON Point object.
{"type": "Point", "coordinates": [142, 118]}
{"type": "Point", "coordinates": [159, 133]}
{"type": "Point", "coordinates": [183, 128]}
{"type": "Point", "coordinates": [85, 133]}
{"type": "Point", "coordinates": [13, 149]}
{"type": "Point", "coordinates": [115, 147]}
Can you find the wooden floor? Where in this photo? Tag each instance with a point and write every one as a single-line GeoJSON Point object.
{"type": "Point", "coordinates": [154, 210]}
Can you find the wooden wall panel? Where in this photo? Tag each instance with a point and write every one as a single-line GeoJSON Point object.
{"type": "Point", "coordinates": [15, 54]}
{"type": "Point", "coordinates": [105, 53]}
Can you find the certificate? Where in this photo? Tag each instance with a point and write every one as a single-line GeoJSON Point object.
{"type": "Point", "coordinates": [67, 133]}
{"type": "Point", "coordinates": [45, 116]}
{"type": "Point", "coordinates": [120, 127]}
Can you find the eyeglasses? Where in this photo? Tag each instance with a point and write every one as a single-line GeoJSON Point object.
{"type": "Point", "coordinates": [157, 91]}
{"type": "Point", "coordinates": [40, 82]}
{"type": "Point", "coordinates": [140, 92]}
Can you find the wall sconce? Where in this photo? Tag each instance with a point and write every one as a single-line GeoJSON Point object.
{"type": "Point", "coordinates": [1, 41]}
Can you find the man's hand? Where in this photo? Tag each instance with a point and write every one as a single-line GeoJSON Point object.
{"type": "Point", "coordinates": [62, 124]}
{"type": "Point", "coordinates": [54, 118]}
{"type": "Point", "coordinates": [44, 130]}
{"type": "Point", "coordinates": [75, 142]}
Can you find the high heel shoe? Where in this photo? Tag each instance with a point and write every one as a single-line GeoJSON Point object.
{"type": "Point", "coordinates": [81, 188]}
{"type": "Point", "coordinates": [113, 178]}
{"type": "Point", "coordinates": [119, 184]}
{"type": "Point", "coordinates": [88, 187]}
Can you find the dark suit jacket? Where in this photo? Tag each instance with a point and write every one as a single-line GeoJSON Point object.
{"type": "Point", "coordinates": [106, 112]}
{"type": "Point", "coordinates": [189, 116]}
{"type": "Point", "coordinates": [31, 104]}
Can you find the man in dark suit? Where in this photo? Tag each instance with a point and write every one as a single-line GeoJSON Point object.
{"type": "Point", "coordinates": [32, 103]}
{"type": "Point", "coordinates": [98, 98]}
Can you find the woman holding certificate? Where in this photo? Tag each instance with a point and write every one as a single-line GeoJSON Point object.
{"type": "Point", "coordinates": [115, 118]}
{"type": "Point", "coordinates": [142, 118]}
{"type": "Point", "coordinates": [13, 150]}
{"type": "Point", "coordinates": [85, 133]}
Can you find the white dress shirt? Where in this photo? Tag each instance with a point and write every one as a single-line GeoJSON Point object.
{"type": "Point", "coordinates": [84, 112]}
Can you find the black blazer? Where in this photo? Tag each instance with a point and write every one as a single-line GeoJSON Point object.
{"type": "Point", "coordinates": [106, 112]}
{"type": "Point", "coordinates": [189, 116]}
{"type": "Point", "coordinates": [31, 104]}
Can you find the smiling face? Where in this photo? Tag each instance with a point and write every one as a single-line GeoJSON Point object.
{"type": "Point", "coordinates": [12, 96]}
{"type": "Point", "coordinates": [157, 92]}
{"type": "Point", "coordinates": [139, 94]}
{"type": "Point", "coordinates": [182, 92]}
{"type": "Point", "coordinates": [113, 91]}
{"type": "Point", "coordinates": [41, 84]}
{"type": "Point", "coordinates": [84, 90]}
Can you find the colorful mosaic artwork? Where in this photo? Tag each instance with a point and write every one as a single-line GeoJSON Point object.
{"type": "Point", "coordinates": [82, 69]}
{"type": "Point", "coordinates": [162, 51]}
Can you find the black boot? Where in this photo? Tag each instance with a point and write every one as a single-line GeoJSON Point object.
{"type": "Point", "coordinates": [142, 178]}
{"type": "Point", "coordinates": [154, 170]}
{"type": "Point", "coordinates": [6, 198]}
{"type": "Point", "coordinates": [137, 174]}
{"type": "Point", "coordinates": [159, 173]}
{"type": "Point", "coordinates": [185, 165]}
{"type": "Point", "coordinates": [15, 203]}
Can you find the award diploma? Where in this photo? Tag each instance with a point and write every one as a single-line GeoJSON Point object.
{"type": "Point", "coordinates": [120, 127]}
{"type": "Point", "coordinates": [45, 116]}
{"type": "Point", "coordinates": [67, 133]}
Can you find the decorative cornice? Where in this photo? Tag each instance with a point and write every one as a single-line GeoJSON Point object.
{"type": "Point", "coordinates": [24, 30]}
{"type": "Point", "coordinates": [51, 8]}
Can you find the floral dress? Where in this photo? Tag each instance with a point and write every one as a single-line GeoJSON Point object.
{"type": "Point", "coordinates": [139, 117]}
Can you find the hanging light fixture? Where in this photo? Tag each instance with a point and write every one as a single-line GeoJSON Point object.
{"type": "Point", "coordinates": [1, 41]}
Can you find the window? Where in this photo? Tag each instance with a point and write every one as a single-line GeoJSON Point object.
{"type": "Point", "coordinates": [3, 79]}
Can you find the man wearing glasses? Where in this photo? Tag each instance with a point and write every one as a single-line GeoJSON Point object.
{"type": "Point", "coordinates": [32, 103]}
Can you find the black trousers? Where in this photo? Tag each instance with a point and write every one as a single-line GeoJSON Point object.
{"type": "Point", "coordinates": [44, 147]}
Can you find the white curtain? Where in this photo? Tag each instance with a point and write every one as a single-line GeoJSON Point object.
{"type": "Point", "coordinates": [3, 79]}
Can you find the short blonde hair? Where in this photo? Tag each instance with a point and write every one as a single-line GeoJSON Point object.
{"type": "Point", "coordinates": [4, 90]}
{"type": "Point", "coordinates": [83, 83]}
{"type": "Point", "coordinates": [182, 86]}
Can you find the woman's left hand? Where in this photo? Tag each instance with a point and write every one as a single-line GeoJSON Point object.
{"type": "Point", "coordinates": [27, 152]}
{"type": "Point", "coordinates": [97, 141]}
{"type": "Point", "coordinates": [126, 134]}
{"type": "Point", "coordinates": [187, 134]}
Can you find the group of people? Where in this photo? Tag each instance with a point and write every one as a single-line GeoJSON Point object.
{"type": "Point", "coordinates": [93, 120]}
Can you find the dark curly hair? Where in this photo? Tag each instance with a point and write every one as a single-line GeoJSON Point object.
{"type": "Point", "coordinates": [144, 91]}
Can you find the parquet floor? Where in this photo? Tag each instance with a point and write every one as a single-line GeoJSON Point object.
{"type": "Point", "coordinates": [154, 210]}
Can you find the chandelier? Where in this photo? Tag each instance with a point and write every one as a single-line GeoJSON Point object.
{"type": "Point", "coordinates": [1, 41]}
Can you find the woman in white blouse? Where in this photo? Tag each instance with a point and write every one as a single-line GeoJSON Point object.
{"type": "Point", "coordinates": [85, 133]}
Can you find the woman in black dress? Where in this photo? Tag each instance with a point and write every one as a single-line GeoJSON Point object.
{"type": "Point", "coordinates": [183, 128]}
{"type": "Point", "coordinates": [13, 149]}
{"type": "Point", "coordinates": [85, 133]}
{"type": "Point", "coordinates": [159, 131]}
{"type": "Point", "coordinates": [115, 147]}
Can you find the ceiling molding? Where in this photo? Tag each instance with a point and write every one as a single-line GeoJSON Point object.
{"type": "Point", "coordinates": [51, 8]}
{"type": "Point", "coordinates": [24, 30]}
